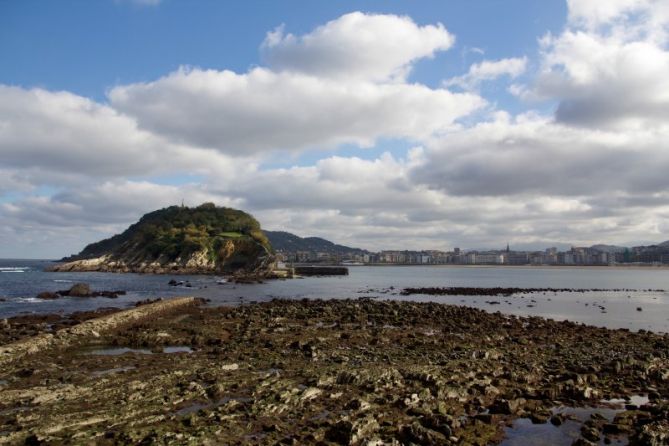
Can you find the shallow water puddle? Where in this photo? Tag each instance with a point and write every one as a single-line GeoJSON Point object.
{"type": "Point", "coordinates": [178, 349]}
{"type": "Point", "coordinates": [525, 433]}
{"type": "Point", "coordinates": [115, 351]}
{"type": "Point", "coordinates": [112, 371]}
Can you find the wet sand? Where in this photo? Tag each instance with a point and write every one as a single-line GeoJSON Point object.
{"type": "Point", "coordinates": [358, 371]}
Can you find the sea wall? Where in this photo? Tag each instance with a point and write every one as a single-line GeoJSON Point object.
{"type": "Point", "coordinates": [92, 328]}
{"type": "Point", "coordinates": [321, 271]}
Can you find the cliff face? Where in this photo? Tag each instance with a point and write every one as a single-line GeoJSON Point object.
{"type": "Point", "coordinates": [201, 240]}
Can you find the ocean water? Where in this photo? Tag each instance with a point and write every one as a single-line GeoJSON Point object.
{"type": "Point", "coordinates": [22, 280]}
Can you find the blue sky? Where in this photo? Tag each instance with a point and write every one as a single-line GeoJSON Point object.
{"type": "Point", "coordinates": [377, 124]}
{"type": "Point", "coordinates": [87, 47]}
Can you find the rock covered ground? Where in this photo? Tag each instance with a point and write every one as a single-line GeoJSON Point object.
{"type": "Point", "coordinates": [360, 371]}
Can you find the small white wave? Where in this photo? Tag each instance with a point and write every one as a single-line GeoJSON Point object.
{"type": "Point", "coordinates": [13, 268]}
{"type": "Point", "coordinates": [32, 300]}
{"type": "Point", "coordinates": [63, 280]}
{"type": "Point", "coordinates": [12, 271]}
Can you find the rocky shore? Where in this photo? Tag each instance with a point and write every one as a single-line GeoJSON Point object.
{"type": "Point", "coordinates": [363, 371]}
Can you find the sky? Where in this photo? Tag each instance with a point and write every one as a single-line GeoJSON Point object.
{"type": "Point", "coordinates": [374, 124]}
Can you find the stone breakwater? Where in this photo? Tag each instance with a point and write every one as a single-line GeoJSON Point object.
{"type": "Point", "coordinates": [359, 372]}
{"type": "Point", "coordinates": [94, 328]}
{"type": "Point", "coordinates": [508, 291]}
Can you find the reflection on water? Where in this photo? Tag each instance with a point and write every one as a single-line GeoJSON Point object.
{"type": "Point", "coordinates": [525, 433]}
{"type": "Point", "coordinates": [115, 351]}
{"type": "Point", "coordinates": [177, 349]}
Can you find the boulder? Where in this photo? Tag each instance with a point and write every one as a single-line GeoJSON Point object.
{"type": "Point", "coordinates": [79, 290]}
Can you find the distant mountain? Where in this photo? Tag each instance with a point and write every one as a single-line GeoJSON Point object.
{"type": "Point", "coordinates": [287, 242]}
{"type": "Point", "coordinates": [664, 244]}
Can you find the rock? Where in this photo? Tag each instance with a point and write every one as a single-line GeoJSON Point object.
{"type": "Point", "coordinates": [507, 407]}
{"type": "Point", "coordinates": [411, 401]}
{"type": "Point", "coordinates": [341, 432]}
{"type": "Point", "coordinates": [652, 434]}
{"type": "Point", "coordinates": [357, 404]}
{"type": "Point", "coordinates": [590, 433]}
{"type": "Point", "coordinates": [440, 423]}
{"type": "Point", "coordinates": [310, 393]}
{"type": "Point", "coordinates": [540, 417]}
{"type": "Point", "coordinates": [230, 367]}
{"type": "Point", "coordinates": [557, 419]}
{"type": "Point", "coordinates": [416, 433]}
{"type": "Point", "coordinates": [614, 429]}
{"type": "Point", "coordinates": [79, 290]}
{"type": "Point", "coordinates": [33, 440]}
{"type": "Point", "coordinates": [484, 418]}
{"type": "Point", "coordinates": [48, 295]}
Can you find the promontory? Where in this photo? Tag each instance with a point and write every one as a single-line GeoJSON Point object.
{"type": "Point", "coordinates": [206, 239]}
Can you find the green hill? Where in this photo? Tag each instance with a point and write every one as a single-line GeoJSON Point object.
{"type": "Point", "coordinates": [205, 238]}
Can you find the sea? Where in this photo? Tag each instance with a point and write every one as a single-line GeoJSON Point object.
{"type": "Point", "coordinates": [643, 305]}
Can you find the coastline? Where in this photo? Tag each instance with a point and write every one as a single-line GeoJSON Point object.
{"type": "Point", "coordinates": [341, 371]}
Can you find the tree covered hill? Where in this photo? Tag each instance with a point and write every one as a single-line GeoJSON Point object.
{"type": "Point", "coordinates": [286, 242]}
{"type": "Point", "coordinates": [205, 238]}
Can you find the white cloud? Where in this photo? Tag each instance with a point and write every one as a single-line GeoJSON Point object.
{"type": "Point", "coordinates": [49, 134]}
{"type": "Point", "coordinates": [357, 46]}
{"type": "Point", "coordinates": [609, 68]}
{"type": "Point", "coordinates": [325, 88]}
{"type": "Point", "coordinates": [489, 70]}
{"type": "Point", "coordinates": [263, 110]}
{"type": "Point", "coordinates": [646, 19]}
{"type": "Point", "coordinates": [533, 155]}
{"type": "Point", "coordinates": [12, 182]}
{"type": "Point", "coordinates": [606, 83]}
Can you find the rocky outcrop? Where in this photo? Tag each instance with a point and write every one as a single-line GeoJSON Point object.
{"type": "Point", "coordinates": [79, 290]}
{"type": "Point", "coordinates": [241, 258]}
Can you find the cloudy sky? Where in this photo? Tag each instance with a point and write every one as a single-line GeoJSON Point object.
{"type": "Point", "coordinates": [412, 125]}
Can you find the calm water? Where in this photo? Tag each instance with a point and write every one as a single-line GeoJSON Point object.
{"type": "Point", "coordinates": [22, 280]}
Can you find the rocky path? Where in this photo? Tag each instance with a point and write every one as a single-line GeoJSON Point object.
{"type": "Point", "coordinates": [361, 372]}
